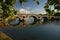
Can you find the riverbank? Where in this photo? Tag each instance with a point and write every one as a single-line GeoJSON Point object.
{"type": "Point", "coordinates": [4, 36]}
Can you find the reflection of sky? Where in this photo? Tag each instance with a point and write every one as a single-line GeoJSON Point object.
{"type": "Point", "coordinates": [32, 6]}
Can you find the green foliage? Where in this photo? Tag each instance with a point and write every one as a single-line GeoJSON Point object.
{"type": "Point", "coordinates": [10, 2]}
{"type": "Point", "coordinates": [50, 3]}
{"type": "Point", "coordinates": [46, 6]}
{"type": "Point", "coordinates": [25, 0]}
{"type": "Point", "coordinates": [57, 7]}
{"type": "Point", "coordinates": [50, 12]}
{"type": "Point", "coordinates": [7, 8]}
{"type": "Point", "coordinates": [22, 1]}
{"type": "Point", "coordinates": [57, 14]}
{"type": "Point", "coordinates": [37, 1]}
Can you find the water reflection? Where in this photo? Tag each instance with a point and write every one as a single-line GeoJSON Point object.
{"type": "Point", "coordinates": [14, 22]}
{"type": "Point", "coordinates": [33, 30]}
{"type": "Point", "coordinates": [30, 22]}
{"type": "Point", "coordinates": [26, 24]}
{"type": "Point", "coordinates": [44, 31]}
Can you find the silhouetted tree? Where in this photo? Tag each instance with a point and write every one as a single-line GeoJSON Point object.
{"type": "Point", "coordinates": [7, 7]}
{"type": "Point", "coordinates": [50, 3]}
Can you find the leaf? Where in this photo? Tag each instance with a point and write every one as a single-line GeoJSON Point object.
{"type": "Point", "coordinates": [25, 0]}
{"type": "Point", "coordinates": [4, 1]}
{"type": "Point", "coordinates": [34, 0]}
{"type": "Point", "coordinates": [57, 7]}
{"type": "Point", "coordinates": [38, 2]}
{"type": "Point", "coordinates": [48, 10]}
{"type": "Point", "coordinates": [13, 1]}
{"type": "Point", "coordinates": [21, 2]}
{"type": "Point", "coordinates": [0, 6]}
{"type": "Point", "coordinates": [1, 0]}
{"type": "Point", "coordinates": [46, 6]}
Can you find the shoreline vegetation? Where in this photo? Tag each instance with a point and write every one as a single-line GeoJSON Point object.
{"type": "Point", "coordinates": [4, 36]}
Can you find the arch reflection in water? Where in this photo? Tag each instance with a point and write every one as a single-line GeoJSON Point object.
{"type": "Point", "coordinates": [35, 18]}
{"type": "Point", "coordinates": [26, 24]}
{"type": "Point", "coordinates": [14, 22]}
{"type": "Point", "coordinates": [43, 19]}
{"type": "Point", "coordinates": [32, 20]}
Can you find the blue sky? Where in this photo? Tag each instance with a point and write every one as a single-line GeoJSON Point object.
{"type": "Point", "coordinates": [32, 7]}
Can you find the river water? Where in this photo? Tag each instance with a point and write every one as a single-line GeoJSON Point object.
{"type": "Point", "coordinates": [36, 31]}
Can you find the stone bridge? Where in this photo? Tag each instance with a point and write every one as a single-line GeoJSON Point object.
{"type": "Point", "coordinates": [25, 17]}
{"type": "Point", "coordinates": [35, 16]}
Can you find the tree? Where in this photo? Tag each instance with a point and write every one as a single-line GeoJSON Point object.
{"type": "Point", "coordinates": [7, 7]}
{"type": "Point", "coordinates": [48, 9]}
{"type": "Point", "coordinates": [50, 3]}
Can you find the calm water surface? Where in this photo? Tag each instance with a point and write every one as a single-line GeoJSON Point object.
{"type": "Point", "coordinates": [45, 31]}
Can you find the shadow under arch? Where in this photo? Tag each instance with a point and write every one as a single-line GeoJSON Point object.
{"type": "Point", "coordinates": [35, 20]}
{"type": "Point", "coordinates": [33, 23]}
{"type": "Point", "coordinates": [45, 19]}
{"type": "Point", "coordinates": [13, 22]}
{"type": "Point", "coordinates": [52, 19]}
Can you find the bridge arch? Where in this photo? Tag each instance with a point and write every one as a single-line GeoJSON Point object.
{"type": "Point", "coordinates": [43, 19]}
{"type": "Point", "coordinates": [52, 19]}
{"type": "Point", "coordinates": [14, 22]}
{"type": "Point", "coordinates": [32, 20]}
{"type": "Point", "coordinates": [35, 18]}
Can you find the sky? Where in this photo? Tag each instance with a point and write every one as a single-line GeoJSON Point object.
{"type": "Point", "coordinates": [31, 7]}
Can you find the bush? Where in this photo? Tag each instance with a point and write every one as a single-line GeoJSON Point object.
{"type": "Point", "coordinates": [57, 14]}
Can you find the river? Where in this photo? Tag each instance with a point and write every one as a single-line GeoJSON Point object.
{"type": "Point", "coordinates": [40, 31]}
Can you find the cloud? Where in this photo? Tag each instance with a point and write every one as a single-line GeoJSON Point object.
{"type": "Point", "coordinates": [23, 11]}
{"type": "Point", "coordinates": [28, 8]}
